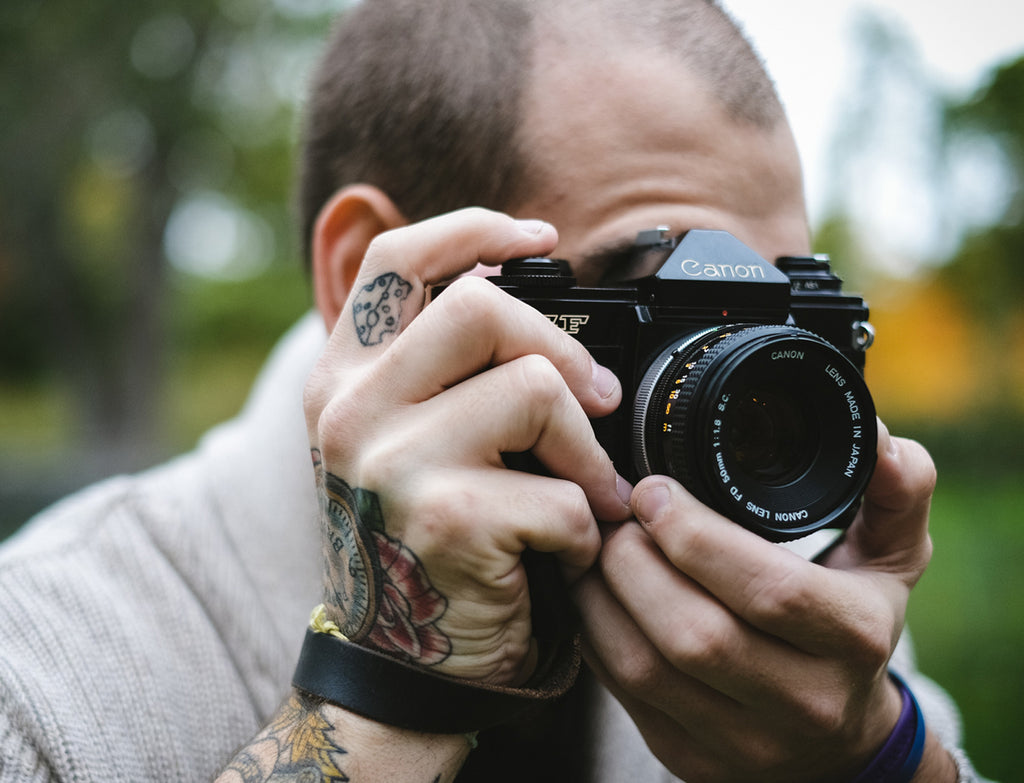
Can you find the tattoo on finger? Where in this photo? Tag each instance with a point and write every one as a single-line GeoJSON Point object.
{"type": "Point", "coordinates": [377, 308]}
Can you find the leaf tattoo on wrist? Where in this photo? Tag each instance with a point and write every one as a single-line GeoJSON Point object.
{"type": "Point", "coordinates": [376, 586]}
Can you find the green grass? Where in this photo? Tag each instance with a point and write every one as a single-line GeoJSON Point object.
{"type": "Point", "coordinates": [967, 613]}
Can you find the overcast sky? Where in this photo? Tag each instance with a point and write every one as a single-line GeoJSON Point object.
{"type": "Point", "coordinates": [807, 45]}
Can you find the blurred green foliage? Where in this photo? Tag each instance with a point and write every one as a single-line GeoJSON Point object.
{"type": "Point", "coordinates": [129, 130]}
{"type": "Point", "coordinates": [966, 613]}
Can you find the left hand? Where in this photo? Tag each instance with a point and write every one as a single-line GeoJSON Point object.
{"type": "Point", "coordinates": [739, 660]}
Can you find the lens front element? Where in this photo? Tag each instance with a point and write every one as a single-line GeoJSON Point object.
{"type": "Point", "coordinates": [771, 437]}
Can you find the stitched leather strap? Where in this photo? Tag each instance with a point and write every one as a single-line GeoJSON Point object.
{"type": "Point", "coordinates": [389, 691]}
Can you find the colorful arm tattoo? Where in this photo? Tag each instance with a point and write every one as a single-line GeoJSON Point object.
{"type": "Point", "coordinates": [301, 745]}
{"type": "Point", "coordinates": [296, 747]}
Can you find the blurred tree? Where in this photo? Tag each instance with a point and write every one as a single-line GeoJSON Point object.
{"type": "Point", "coordinates": [924, 215]}
{"type": "Point", "coordinates": [988, 266]}
{"type": "Point", "coordinates": [118, 121]}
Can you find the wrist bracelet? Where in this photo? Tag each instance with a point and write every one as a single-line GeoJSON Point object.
{"type": "Point", "coordinates": [901, 754]}
{"type": "Point", "coordinates": [395, 693]}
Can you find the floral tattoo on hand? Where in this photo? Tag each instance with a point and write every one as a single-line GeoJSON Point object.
{"type": "Point", "coordinates": [377, 588]}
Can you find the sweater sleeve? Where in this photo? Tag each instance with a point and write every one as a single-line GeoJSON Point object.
{"type": "Point", "coordinates": [940, 713]}
{"type": "Point", "coordinates": [20, 760]}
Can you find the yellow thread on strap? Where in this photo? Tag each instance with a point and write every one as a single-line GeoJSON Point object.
{"type": "Point", "coordinates": [318, 622]}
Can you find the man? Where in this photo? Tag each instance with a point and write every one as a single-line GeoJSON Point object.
{"type": "Point", "coordinates": [154, 622]}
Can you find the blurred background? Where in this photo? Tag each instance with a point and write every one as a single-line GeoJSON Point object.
{"type": "Point", "coordinates": [148, 258]}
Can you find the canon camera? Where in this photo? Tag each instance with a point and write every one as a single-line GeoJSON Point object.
{"type": "Point", "coordinates": [741, 379]}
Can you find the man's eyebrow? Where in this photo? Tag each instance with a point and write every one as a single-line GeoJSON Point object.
{"type": "Point", "coordinates": [613, 249]}
{"type": "Point", "coordinates": [618, 260]}
{"type": "Point", "coordinates": [611, 256]}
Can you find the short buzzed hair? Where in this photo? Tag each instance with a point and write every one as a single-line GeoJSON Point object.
{"type": "Point", "coordinates": [423, 99]}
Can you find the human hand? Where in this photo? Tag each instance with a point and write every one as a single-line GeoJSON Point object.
{"type": "Point", "coordinates": [739, 660]}
{"type": "Point", "coordinates": [409, 411]}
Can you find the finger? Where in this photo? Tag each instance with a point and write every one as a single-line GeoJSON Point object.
{"type": "Point", "coordinates": [389, 290]}
{"type": "Point", "coordinates": [817, 609]}
{"type": "Point", "coordinates": [475, 325]}
{"type": "Point", "coordinates": [470, 526]}
{"type": "Point", "coordinates": [700, 636]}
{"type": "Point", "coordinates": [676, 711]}
{"type": "Point", "coordinates": [890, 533]}
{"type": "Point", "coordinates": [519, 511]}
{"type": "Point", "coordinates": [630, 666]}
{"type": "Point", "coordinates": [525, 405]}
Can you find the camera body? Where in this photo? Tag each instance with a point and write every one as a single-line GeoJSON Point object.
{"type": "Point", "coordinates": [741, 379]}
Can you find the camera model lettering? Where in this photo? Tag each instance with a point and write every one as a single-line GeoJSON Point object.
{"type": "Point", "coordinates": [719, 354]}
{"type": "Point", "coordinates": [569, 323]}
{"type": "Point", "coordinates": [692, 268]}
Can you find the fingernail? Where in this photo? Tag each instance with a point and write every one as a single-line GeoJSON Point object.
{"type": "Point", "coordinates": [532, 227]}
{"type": "Point", "coordinates": [650, 502]}
{"type": "Point", "coordinates": [605, 382]}
{"type": "Point", "coordinates": [624, 488]}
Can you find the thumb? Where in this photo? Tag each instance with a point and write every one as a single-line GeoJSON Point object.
{"type": "Point", "coordinates": [891, 531]}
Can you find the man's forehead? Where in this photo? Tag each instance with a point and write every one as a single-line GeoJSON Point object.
{"type": "Point", "coordinates": [650, 145]}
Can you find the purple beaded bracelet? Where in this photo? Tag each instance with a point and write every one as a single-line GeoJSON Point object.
{"type": "Point", "coordinates": [901, 754]}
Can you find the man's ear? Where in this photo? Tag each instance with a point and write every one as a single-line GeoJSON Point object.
{"type": "Point", "coordinates": [343, 231]}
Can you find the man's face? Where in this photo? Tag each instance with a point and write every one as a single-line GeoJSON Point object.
{"type": "Point", "coordinates": [629, 140]}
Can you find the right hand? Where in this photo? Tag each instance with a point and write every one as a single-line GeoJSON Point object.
{"type": "Point", "coordinates": [409, 411]}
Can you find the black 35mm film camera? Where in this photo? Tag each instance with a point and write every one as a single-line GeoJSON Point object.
{"type": "Point", "coordinates": [741, 380]}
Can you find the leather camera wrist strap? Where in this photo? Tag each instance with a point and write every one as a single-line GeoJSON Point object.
{"type": "Point", "coordinates": [390, 691]}
{"type": "Point", "coordinates": [395, 693]}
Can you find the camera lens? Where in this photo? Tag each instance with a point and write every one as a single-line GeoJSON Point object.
{"type": "Point", "coordinates": [769, 425]}
{"type": "Point", "coordinates": [771, 437]}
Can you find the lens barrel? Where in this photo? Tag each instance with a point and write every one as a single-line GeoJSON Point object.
{"type": "Point", "coordinates": [769, 425]}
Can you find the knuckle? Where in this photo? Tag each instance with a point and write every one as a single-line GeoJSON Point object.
{"type": "Point", "coordinates": [444, 521]}
{"type": "Point", "coordinates": [824, 714]}
{"type": "Point", "coordinates": [755, 755]}
{"type": "Point", "coordinates": [640, 672]}
{"type": "Point", "coordinates": [333, 420]}
{"type": "Point", "coordinates": [926, 549]}
{"type": "Point", "coordinates": [435, 518]}
{"type": "Point", "coordinates": [470, 300]}
{"type": "Point", "coordinates": [928, 474]}
{"type": "Point", "coordinates": [872, 640]}
{"type": "Point", "coordinates": [379, 462]}
{"type": "Point", "coordinates": [700, 642]}
{"type": "Point", "coordinates": [914, 479]}
{"type": "Point", "coordinates": [314, 399]}
{"type": "Point", "coordinates": [620, 553]}
{"type": "Point", "coordinates": [384, 245]}
{"type": "Point", "coordinates": [780, 598]}
{"type": "Point", "coordinates": [539, 379]}
{"type": "Point", "coordinates": [317, 392]}
{"type": "Point", "coordinates": [575, 508]}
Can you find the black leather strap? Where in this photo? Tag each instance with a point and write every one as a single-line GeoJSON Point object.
{"type": "Point", "coordinates": [389, 691]}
